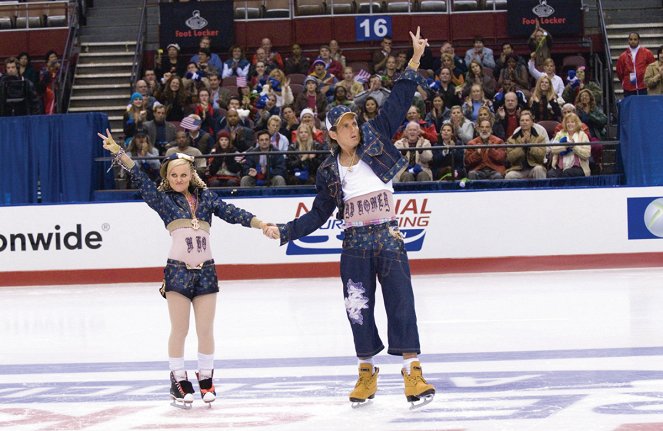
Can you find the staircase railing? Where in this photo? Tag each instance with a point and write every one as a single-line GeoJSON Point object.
{"type": "Point", "coordinates": [608, 88]}
{"type": "Point", "coordinates": [140, 42]}
{"type": "Point", "coordinates": [65, 76]}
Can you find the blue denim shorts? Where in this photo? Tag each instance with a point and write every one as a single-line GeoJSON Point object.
{"type": "Point", "coordinates": [188, 281]}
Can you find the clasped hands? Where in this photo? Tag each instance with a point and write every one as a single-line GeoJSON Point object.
{"type": "Point", "coordinates": [270, 230]}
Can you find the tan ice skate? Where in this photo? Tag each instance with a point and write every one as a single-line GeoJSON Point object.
{"type": "Point", "coordinates": [416, 386]}
{"type": "Point", "coordinates": [367, 385]}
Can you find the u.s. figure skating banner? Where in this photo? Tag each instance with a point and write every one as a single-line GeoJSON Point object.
{"type": "Point", "coordinates": [444, 232]}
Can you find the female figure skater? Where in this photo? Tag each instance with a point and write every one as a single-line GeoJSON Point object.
{"type": "Point", "coordinates": [357, 179]}
{"type": "Point", "coordinates": [186, 207]}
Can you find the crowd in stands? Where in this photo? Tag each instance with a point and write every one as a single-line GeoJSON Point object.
{"type": "Point", "coordinates": [247, 106]}
{"type": "Point", "coordinates": [26, 91]}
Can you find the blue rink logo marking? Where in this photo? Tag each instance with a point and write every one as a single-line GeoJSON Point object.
{"type": "Point", "coordinates": [413, 217]}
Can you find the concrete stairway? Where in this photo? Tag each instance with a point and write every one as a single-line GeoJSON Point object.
{"type": "Point", "coordinates": [623, 17]}
{"type": "Point", "coordinates": [107, 47]}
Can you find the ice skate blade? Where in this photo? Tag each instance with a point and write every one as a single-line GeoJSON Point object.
{"type": "Point", "coordinates": [417, 404]}
{"type": "Point", "coordinates": [184, 405]}
{"type": "Point", "coordinates": [360, 404]}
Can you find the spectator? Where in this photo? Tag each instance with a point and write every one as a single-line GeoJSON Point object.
{"type": "Point", "coordinates": [369, 111]}
{"type": "Point", "coordinates": [311, 98]}
{"type": "Point", "coordinates": [457, 65]}
{"type": "Point", "coordinates": [302, 168]}
{"type": "Point", "coordinates": [427, 130]}
{"type": "Point", "coordinates": [485, 163]}
{"type": "Point", "coordinates": [224, 171]}
{"type": "Point", "coordinates": [540, 45]}
{"type": "Point", "coordinates": [150, 77]}
{"type": "Point", "coordinates": [307, 117]}
{"type": "Point", "coordinates": [259, 76]}
{"type": "Point", "coordinates": [203, 63]}
{"type": "Point", "coordinates": [48, 81]}
{"type": "Point", "coordinates": [194, 80]}
{"type": "Point", "coordinates": [327, 80]}
{"type": "Point", "coordinates": [173, 64]}
{"type": "Point", "coordinates": [590, 114]}
{"type": "Point", "coordinates": [141, 146]}
{"type": "Point", "coordinates": [205, 110]}
{"type": "Point", "coordinates": [160, 131]}
{"type": "Point", "coordinates": [241, 136]}
{"type": "Point", "coordinates": [263, 169]}
{"type": "Point", "coordinates": [496, 128]}
{"type": "Point", "coordinates": [501, 61]}
{"type": "Point", "coordinates": [543, 103]}
{"type": "Point", "coordinates": [438, 114]}
{"type": "Point", "coordinates": [549, 71]}
{"type": "Point", "coordinates": [351, 86]}
{"type": "Point", "coordinates": [389, 73]}
{"type": "Point", "coordinates": [462, 127]}
{"type": "Point", "coordinates": [198, 138]}
{"type": "Point", "coordinates": [576, 84]}
{"type": "Point", "coordinates": [21, 91]}
{"type": "Point", "coordinates": [182, 145]}
{"type": "Point", "coordinates": [475, 100]}
{"type": "Point", "coordinates": [26, 70]}
{"type": "Point", "coordinates": [340, 98]}
{"type": "Point", "coordinates": [513, 76]}
{"type": "Point", "coordinates": [297, 63]}
{"type": "Point", "coordinates": [235, 104]}
{"type": "Point", "coordinates": [272, 60]}
{"type": "Point", "coordinates": [457, 79]}
{"type": "Point", "coordinates": [143, 89]}
{"type": "Point", "coordinates": [509, 114]}
{"type": "Point", "coordinates": [205, 46]}
{"type": "Point", "coordinates": [447, 164]}
{"type": "Point", "coordinates": [631, 66]}
{"type": "Point", "coordinates": [480, 54]}
{"type": "Point", "coordinates": [289, 123]}
{"type": "Point", "coordinates": [332, 66]}
{"type": "Point", "coordinates": [476, 76]}
{"type": "Point", "coordinates": [134, 116]}
{"type": "Point", "coordinates": [448, 89]}
{"type": "Point", "coordinates": [336, 53]}
{"type": "Point", "coordinates": [267, 108]}
{"type": "Point", "coordinates": [654, 74]}
{"type": "Point", "coordinates": [236, 65]}
{"type": "Point", "coordinates": [279, 85]}
{"type": "Point", "coordinates": [401, 61]}
{"type": "Point", "coordinates": [218, 95]}
{"type": "Point", "coordinates": [278, 141]}
{"type": "Point", "coordinates": [526, 162]}
{"type": "Point", "coordinates": [570, 161]}
{"type": "Point", "coordinates": [174, 98]}
{"type": "Point", "coordinates": [375, 90]}
{"type": "Point", "coordinates": [418, 167]}
{"type": "Point", "coordinates": [380, 56]}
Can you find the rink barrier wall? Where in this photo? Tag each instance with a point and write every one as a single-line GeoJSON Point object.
{"type": "Point", "coordinates": [445, 232]}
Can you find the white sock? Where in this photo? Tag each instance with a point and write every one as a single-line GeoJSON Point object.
{"type": "Point", "coordinates": [205, 362]}
{"type": "Point", "coordinates": [366, 361]}
{"type": "Point", "coordinates": [407, 363]}
{"type": "Point", "coordinates": [176, 365]}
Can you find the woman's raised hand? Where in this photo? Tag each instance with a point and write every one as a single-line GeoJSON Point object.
{"type": "Point", "coordinates": [109, 142]}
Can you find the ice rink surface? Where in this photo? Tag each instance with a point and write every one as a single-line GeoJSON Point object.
{"type": "Point", "coordinates": [536, 351]}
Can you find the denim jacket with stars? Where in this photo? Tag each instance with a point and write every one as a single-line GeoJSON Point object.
{"type": "Point", "coordinates": [375, 149]}
{"type": "Point", "coordinates": [173, 205]}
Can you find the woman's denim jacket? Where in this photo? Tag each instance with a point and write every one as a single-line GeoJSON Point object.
{"type": "Point", "coordinates": [375, 149]}
{"type": "Point", "coordinates": [173, 205]}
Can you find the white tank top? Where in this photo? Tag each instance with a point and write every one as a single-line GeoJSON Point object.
{"type": "Point", "coordinates": [191, 246]}
{"type": "Point", "coordinates": [361, 180]}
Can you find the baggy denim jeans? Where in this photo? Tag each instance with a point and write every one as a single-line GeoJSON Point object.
{"type": "Point", "coordinates": [378, 252]}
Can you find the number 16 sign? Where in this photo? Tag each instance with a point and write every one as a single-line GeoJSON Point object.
{"type": "Point", "coordinates": [372, 27]}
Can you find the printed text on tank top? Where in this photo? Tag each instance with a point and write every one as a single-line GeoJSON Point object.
{"type": "Point", "coordinates": [371, 208]}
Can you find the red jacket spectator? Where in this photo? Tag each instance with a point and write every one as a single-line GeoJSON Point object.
{"type": "Point", "coordinates": [492, 158]}
{"type": "Point", "coordinates": [626, 65]}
